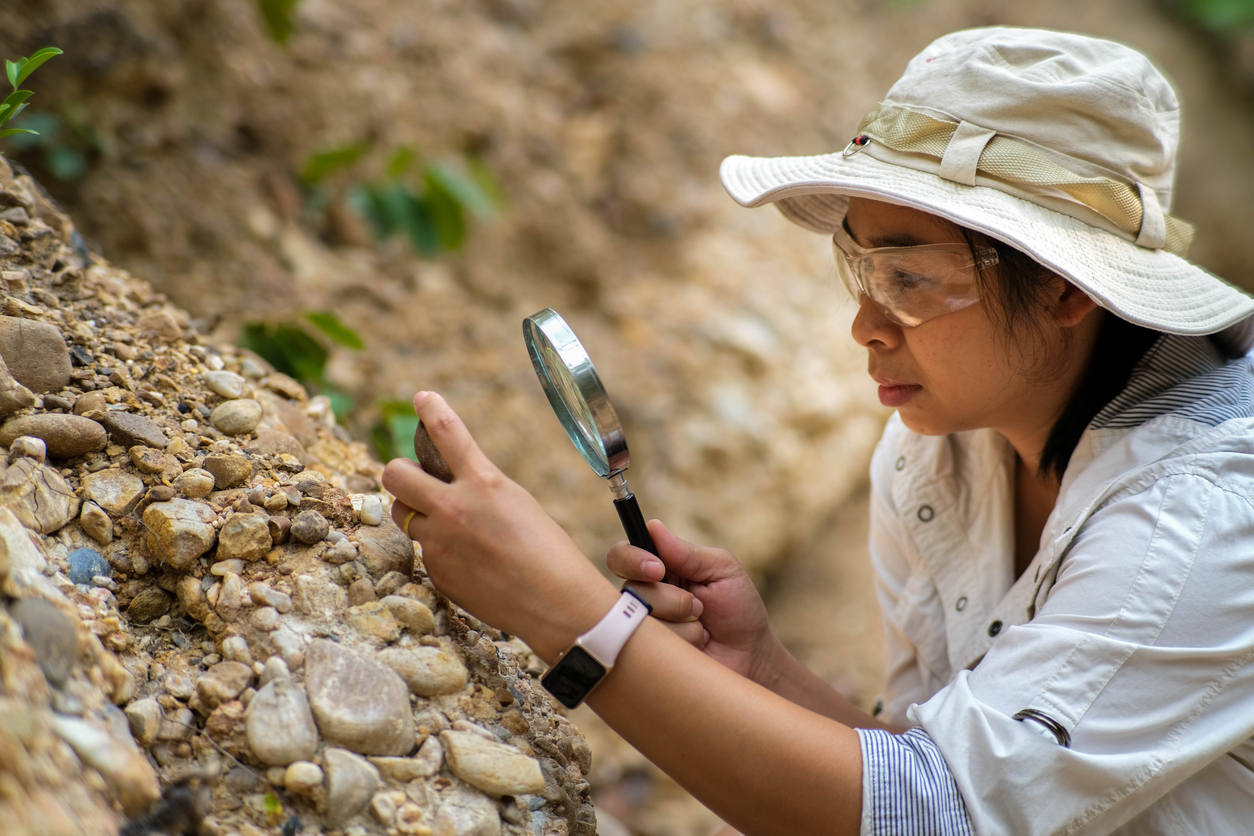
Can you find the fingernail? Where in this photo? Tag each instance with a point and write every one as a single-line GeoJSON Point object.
{"type": "Point", "coordinates": [420, 397]}
{"type": "Point", "coordinates": [654, 568]}
{"type": "Point", "coordinates": [697, 607]}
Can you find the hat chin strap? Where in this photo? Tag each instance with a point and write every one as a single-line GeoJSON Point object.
{"type": "Point", "coordinates": [970, 154]}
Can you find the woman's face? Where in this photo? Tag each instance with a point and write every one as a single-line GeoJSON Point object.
{"type": "Point", "coordinates": [958, 371]}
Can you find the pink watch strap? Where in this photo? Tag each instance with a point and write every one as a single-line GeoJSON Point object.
{"type": "Point", "coordinates": [606, 639]}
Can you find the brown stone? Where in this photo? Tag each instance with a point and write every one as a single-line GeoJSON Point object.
{"type": "Point", "coordinates": [129, 430]}
{"type": "Point", "coordinates": [35, 353]}
{"type": "Point", "coordinates": [228, 469]}
{"type": "Point", "coordinates": [161, 323]}
{"type": "Point", "coordinates": [114, 490]}
{"type": "Point", "coordinates": [65, 435]}
{"type": "Point", "coordinates": [38, 496]}
{"type": "Point", "coordinates": [384, 548]}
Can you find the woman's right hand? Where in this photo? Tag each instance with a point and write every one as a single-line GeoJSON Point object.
{"type": "Point", "coordinates": [712, 603]}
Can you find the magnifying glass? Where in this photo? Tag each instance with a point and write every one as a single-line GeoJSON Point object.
{"type": "Point", "coordinates": [578, 397]}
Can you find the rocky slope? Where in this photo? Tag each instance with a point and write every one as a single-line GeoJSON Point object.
{"type": "Point", "coordinates": [209, 623]}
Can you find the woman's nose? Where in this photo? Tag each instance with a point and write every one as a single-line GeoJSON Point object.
{"type": "Point", "coordinates": [870, 325]}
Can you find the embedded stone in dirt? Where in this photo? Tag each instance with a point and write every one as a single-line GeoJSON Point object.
{"type": "Point", "coordinates": [13, 395]}
{"type": "Point", "coordinates": [228, 469]}
{"type": "Point", "coordinates": [274, 443]}
{"type": "Point", "coordinates": [413, 614]}
{"type": "Point", "coordinates": [223, 682]}
{"type": "Point", "coordinates": [147, 460]}
{"type": "Point", "coordinates": [51, 634]}
{"type": "Point", "coordinates": [65, 435]}
{"type": "Point", "coordinates": [96, 523]}
{"type": "Point", "coordinates": [161, 323]}
{"type": "Point", "coordinates": [114, 490]}
{"type": "Point", "coordinates": [236, 417]}
{"type": "Point", "coordinates": [86, 564]}
{"type": "Point", "coordinates": [384, 548]}
{"type": "Point", "coordinates": [310, 527]}
{"type": "Point", "coordinates": [195, 483]}
{"type": "Point", "coordinates": [127, 430]}
{"type": "Point", "coordinates": [427, 671]}
{"type": "Point", "coordinates": [351, 780]}
{"type": "Point", "coordinates": [303, 777]}
{"type": "Point", "coordinates": [280, 725]}
{"type": "Point", "coordinates": [179, 530]}
{"type": "Point", "coordinates": [38, 496]}
{"type": "Point", "coordinates": [374, 619]}
{"type": "Point", "coordinates": [244, 537]}
{"type": "Point", "coordinates": [359, 703]}
{"type": "Point", "coordinates": [492, 767]}
{"type": "Point", "coordinates": [225, 384]}
{"type": "Point", "coordinates": [35, 353]}
{"type": "Point", "coordinates": [148, 605]}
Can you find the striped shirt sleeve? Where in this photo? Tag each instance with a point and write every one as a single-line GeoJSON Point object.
{"type": "Point", "coordinates": [907, 787]}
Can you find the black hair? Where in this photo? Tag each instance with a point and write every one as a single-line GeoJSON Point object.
{"type": "Point", "coordinates": [1018, 287]}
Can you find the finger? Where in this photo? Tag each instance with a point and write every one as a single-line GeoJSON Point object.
{"type": "Point", "coordinates": [404, 517]}
{"type": "Point", "coordinates": [407, 481]}
{"type": "Point", "coordinates": [670, 603]}
{"type": "Point", "coordinates": [450, 435]}
{"type": "Point", "coordinates": [689, 561]}
{"type": "Point", "coordinates": [634, 564]}
{"type": "Point", "coordinates": [691, 632]}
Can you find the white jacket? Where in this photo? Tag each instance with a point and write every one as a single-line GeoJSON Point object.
{"type": "Point", "coordinates": [1131, 631]}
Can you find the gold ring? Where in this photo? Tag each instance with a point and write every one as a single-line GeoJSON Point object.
{"type": "Point", "coordinates": [408, 520]}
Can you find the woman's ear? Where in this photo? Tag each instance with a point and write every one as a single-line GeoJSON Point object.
{"type": "Point", "coordinates": [1071, 305]}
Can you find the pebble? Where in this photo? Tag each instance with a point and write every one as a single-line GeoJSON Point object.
{"type": "Point", "coordinates": [428, 671]}
{"type": "Point", "coordinates": [371, 510]}
{"type": "Point", "coordinates": [310, 527]}
{"type": "Point", "coordinates": [51, 634]}
{"type": "Point", "coordinates": [38, 496]}
{"type": "Point", "coordinates": [384, 805]}
{"type": "Point", "coordinates": [28, 447]}
{"type": "Point", "coordinates": [244, 537]}
{"type": "Point", "coordinates": [413, 614]}
{"type": "Point", "coordinates": [128, 430]}
{"type": "Point", "coordinates": [374, 619]}
{"type": "Point", "coordinates": [495, 768]}
{"type": "Point", "coordinates": [87, 563]}
{"type": "Point", "coordinates": [275, 502]}
{"type": "Point", "coordinates": [237, 417]}
{"type": "Point", "coordinates": [65, 435]}
{"type": "Point", "coordinates": [302, 777]}
{"type": "Point", "coordinates": [285, 386]}
{"type": "Point", "coordinates": [264, 595]}
{"type": "Point", "coordinates": [195, 483]}
{"type": "Point", "coordinates": [148, 460]}
{"type": "Point", "coordinates": [13, 395]}
{"type": "Point", "coordinates": [178, 685]}
{"type": "Point", "coordinates": [340, 553]}
{"type": "Point", "coordinates": [359, 703]}
{"type": "Point", "coordinates": [280, 530]}
{"type": "Point", "coordinates": [235, 649]}
{"type": "Point", "coordinates": [96, 523]}
{"type": "Point", "coordinates": [230, 597]}
{"type": "Point", "coordinates": [225, 384]}
{"type": "Point", "coordinates": [160, 493]}
{"type": "Point", "coordinates": [316, 596]}
{"type": "Point", "coordinates": [189, 425]}
{"type": "Point", "coordinates": [385, 548]}
{"type": "Point", "coordinates": [145, 717]}
{"type": "Point", "coordinates": [161, 323]}
{"type": "Point", "coordinates": [279, 724]}
{"type": "Point", "coordinates": [223, 682]}
{"type": "Point", "coordinates": [117, 759]}
{"type": "Point", "coordinates": [266, 619]}
{"type": "Point", "coordinates": [225, 567]}
{"type": "Point", "coordinates": [423, 765]}
{"type": "Point", "coordinates": [35, 353]}
{"type": "Point", "coordinates": [274, 669]}
{"type": "Point", "coordinates": [149, 604]}
{"type": "Point", "coordinates": [179, 531]}
{"type": "Point", "coordinates": [361, 591]}
{"type": "Point", "coordinates": [91, 405]}
{"type": "Point", "coordinates": [351, 781]}
{"type": "Point", "coordinates": [114, 490]}
{"type": "Point", "coordinates": [228, 469]}
{"type": "Point", "coordinates": [467, 813]}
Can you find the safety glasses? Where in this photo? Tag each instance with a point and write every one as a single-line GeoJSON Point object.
{"type": "Point", "coordinates": [912, 284]}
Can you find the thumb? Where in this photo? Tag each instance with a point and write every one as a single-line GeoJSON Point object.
{"type": "Point", "coordinates": [690, 561]}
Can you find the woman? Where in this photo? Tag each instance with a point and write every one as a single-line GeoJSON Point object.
{"type": "Point", "coordinates": [1062, 521]}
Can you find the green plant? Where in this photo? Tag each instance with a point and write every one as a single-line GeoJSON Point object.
{"type": "Point", "coordinates": [294, 351]}
{"type": "Point", "coordinates": [277, 15]}
{"type": "Point", "coordinates": [393, 433]}
{"type": "Point", "coordinates": [15, 102]}
{"type": "Point", "coordinates": [65, 145]}
{"type": "Point", "coordinates": [1228, 17]}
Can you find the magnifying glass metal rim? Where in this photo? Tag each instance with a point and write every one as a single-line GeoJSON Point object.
{"type": "Point", "coordinates": [604, 445]}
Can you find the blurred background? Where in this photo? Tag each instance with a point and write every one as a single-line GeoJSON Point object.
{"type": "Point", "coordinates": [372, 194]}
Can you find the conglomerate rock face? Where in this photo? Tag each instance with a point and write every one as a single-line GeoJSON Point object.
{"type": "Point", "coordinates": [209, 623]}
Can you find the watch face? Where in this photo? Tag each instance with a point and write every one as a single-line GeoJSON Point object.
{"type": "Point", "coordinates": [574, 675]}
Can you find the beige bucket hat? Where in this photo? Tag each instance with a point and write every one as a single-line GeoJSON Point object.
{"type": "Point", "coordinates": [1061, 145]}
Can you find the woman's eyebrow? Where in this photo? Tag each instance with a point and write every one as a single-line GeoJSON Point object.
{"type": "Point", "coordinates": [897, 239]}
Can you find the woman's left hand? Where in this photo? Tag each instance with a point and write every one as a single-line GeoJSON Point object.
{"type": "Point", "coordinates": [489, 546]}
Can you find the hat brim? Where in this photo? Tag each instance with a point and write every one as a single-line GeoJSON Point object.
{"type": "Point", "coordinates": [1153, 288]}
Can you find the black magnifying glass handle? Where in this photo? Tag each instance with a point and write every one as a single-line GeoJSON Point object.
{"type": "Point", "coordinates": [633, 523]}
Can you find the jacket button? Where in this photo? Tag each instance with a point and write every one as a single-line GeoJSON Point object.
{"type": "Point", "coordinates": [961, 604]}
{"type": "Point", "coordinates": [926, 513]}
{"type": "Point", "coordinates": [994, 628]}
{"type": "Point", "coordinates": [901, 462]}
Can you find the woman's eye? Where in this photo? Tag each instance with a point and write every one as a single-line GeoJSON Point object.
{"type": "Point", "coordinates": [905, 282]}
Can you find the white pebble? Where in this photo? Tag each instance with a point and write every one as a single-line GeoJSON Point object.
{"type": "Point", "coordinates": [190, 424]}
{"type": "Point", "coordinates": [371, 511]}
{"type": "Point", "coordinates": [236, 649]}
{"type": "Point", "coordinates": [27, 446]}
{"type": "Point", "coordinates": [234, 565]}
{"type": "Point", "coordinates": [302, 777]}
{"type": "Point", "coordinates": [227, 384]}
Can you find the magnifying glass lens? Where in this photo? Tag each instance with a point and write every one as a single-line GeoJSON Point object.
{"type": "Point", "coordinates": [571, 408]}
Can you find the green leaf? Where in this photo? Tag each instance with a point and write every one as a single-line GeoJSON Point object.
{"type": "Point", "coordinates": [17, 97]}
{"type": "Point", "coordinates": [11, 69]}
{"type": "Point", "coordinates": [11, 131]}
{"type": "Point", "coordinates": [29, 65]}
{"type": "Point", "coordinates": [305, 354]}
{"type": "Point", "coordinates": [400, 162]}
{"type": "Point", "coordinates": [417, 221]}
{"type": "Point", "coordinates": [12, 114]}
{"type": "Point", "coordinates": [3, 108]}
{"type": "Point", "coordinates": [401, 429]}
{"type": "Point", "coordinates": [277, 15]}
{"type": "Point", "coordinates": [367, 202]}
{"type": "Point", "coordinates": [66, 164]}
{"type": "Point", "coordinates": [325, 163]}
{"type": "Point", "coordinates": [329, 324]}
{"type": "Point", "coordinates": [446, 213]}
{"type": "Point", "coordinates": [487, 181]}
{"type": "Point", "coordinates": [466, 191]}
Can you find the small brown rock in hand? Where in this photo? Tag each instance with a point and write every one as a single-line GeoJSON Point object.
{"type": "Point", "coordinates": [429, 457]}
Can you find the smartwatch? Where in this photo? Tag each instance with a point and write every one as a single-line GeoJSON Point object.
{"type": "Point", "coordinates": [586, 662]}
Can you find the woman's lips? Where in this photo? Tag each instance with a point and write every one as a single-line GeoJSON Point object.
{"type": "Point", "coordinates": [895, 396]}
